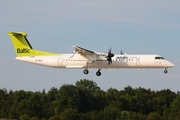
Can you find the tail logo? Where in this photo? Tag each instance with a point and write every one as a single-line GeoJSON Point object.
{"type": "Point", "coordinates": [24, 50]}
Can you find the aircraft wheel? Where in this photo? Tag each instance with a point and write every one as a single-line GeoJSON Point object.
{"type": "Point", "coordinates": [86, 71]}
{"type": "Point", "coordinates": [98, 73]}
{"type": "Point", "coordinates": [165, 71]}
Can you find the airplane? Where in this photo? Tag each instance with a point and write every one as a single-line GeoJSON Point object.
{"type": "Point", "coordinates": [83, 58]}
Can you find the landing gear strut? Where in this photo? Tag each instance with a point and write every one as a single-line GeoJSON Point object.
{"type": "Point", "coordinates": [165, 71]}
{"type": "Point", "coordinates": [98, 73]}
{"type": "Point", "coordinates": [86, 71]}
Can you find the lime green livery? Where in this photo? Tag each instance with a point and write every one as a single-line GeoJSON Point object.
{"type": "Point", "coordinates": [23, 47]}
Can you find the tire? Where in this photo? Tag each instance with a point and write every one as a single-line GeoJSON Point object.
{"type": "Point", "coordinates": [86, 71]}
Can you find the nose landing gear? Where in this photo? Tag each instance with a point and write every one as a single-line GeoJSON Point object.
{"type": "Point", "coordinates": [165, 71]}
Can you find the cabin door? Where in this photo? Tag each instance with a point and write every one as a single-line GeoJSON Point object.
{"type": "Point", "coordinates": [60, 61]}
{"type": "Point", "coordinates": [138, 61]}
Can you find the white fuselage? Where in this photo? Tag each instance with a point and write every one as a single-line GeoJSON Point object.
{"type": "Point", "coordinates": [99, 61]}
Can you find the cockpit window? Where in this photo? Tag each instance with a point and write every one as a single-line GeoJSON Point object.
{"type": "Point", "coordinates": [160, 58]}
{"type": "Point", "coordinates": [157, 57]}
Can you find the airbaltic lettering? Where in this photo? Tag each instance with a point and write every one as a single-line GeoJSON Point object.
{"type": "Point", "coordinates": [121, 58]}
{"type": "Point", "coordinates": [23, 50]}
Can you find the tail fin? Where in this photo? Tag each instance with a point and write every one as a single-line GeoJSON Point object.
{"type": "Point", "coordinates": [23, 47]}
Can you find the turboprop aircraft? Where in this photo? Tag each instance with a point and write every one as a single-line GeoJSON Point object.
{"type": "Point", "coordinates": [83, 58]}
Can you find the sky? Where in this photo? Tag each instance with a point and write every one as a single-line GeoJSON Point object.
{"type": "Point", "coordinates": [135, 26]}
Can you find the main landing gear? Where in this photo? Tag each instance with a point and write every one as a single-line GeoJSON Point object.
{"type": "Point", "coordinates": [98, 73]}
{"type": "Point", "coordinates": [86, 71]}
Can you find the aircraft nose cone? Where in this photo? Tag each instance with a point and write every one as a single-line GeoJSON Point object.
{"type": "Point", "coordinates": [171, 65]}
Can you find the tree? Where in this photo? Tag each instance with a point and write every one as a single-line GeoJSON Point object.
{"type": "Point", "coordinates": [165, 113]}
{"type": "Point", "coordinates": [55, 117]}
{"type": "Point", "coordinates": [127, 102]}
{"type": "Point", "coordinates": [112, 95]}
{"type": "Point", "coordinates": [110, 113]}
{"type": "Point", "coordinates": [24, 117]}
{"type": "Point", "coordinates": [10, 101]}
{"type": "Point", "coordinates": [95, 115]}
{"type": "Point", "coordinates": [100, 99]}
{"type": "Point", "coordinates": [50, 103]}
{"type": "Point", "coordinates": [137, 116]}
{"type": "Point", "coordinates": [143, 98]}
{"type": "Point", "coordinates": [3, 103]}
{"type": "Point", "coordinates": [69, 114]}
{"type": "Point", "coordinates": [125, 115]}
{"type": "Point", "coordinates": [175, 107]}
{"type": "Point", "coordinates": [89, 84]}
{"type": "Point", "coordinates": [129, 90]}
{"type": "Point", "coordinates": [154, 116]}
{"type": "Point", "coordinates": [27, 103]}
{"type": "Point", "coordinates": [87, 100]}
{"type": "Point", "coordinates": [68, 97]}
{"type": "Point", "coordinates": [34, 118]}
{"type": "Point", "coordinates": [162, 98]}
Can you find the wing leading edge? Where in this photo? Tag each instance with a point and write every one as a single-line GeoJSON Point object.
{"type": "Point", "coordinates": [82, 51]}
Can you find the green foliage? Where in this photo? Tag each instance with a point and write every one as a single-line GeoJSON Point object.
{"type": "Point", "coordinates": [95, 115]}
{"type": "Point", "coordinates": [56, 117]}
{"type": "Point", "coordinates": [44, 119]}
{"type": "Point", "coordinates": [110, 113]}
{"type": "Point", "coordinates": [137, 116]}
{"type": "Point", "coordinates": [154, 116]}
{"type": "Point", "coordinates": [112, 95]}
{"type": "Point", "coordinates": [68, 97]}
{"type": "Point", "coordinates": [175, 107]}
{"type": "Point", "coordinates": [89, 84]}
{"type": "Point", "coordinates": [5, 103]}
{"type": "Point", "coordinates": [24, 117]}
{"type": "Point", "coordinates": [125, 115]}
{"type": "Point", "coordinates": [69, 114]}
{"type": "Point", "coordinates": [34, 118]}
{"type": "Point", "coordinates": [86, 101]}
{"type": "Point", "coordinates": [99, 99]}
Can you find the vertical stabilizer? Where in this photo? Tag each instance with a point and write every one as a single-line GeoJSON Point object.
{"type": "Point", "coordinates": [23, 47]}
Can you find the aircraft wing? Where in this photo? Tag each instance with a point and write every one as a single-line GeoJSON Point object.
{"type": "Point", "coordinates": [82, 51]}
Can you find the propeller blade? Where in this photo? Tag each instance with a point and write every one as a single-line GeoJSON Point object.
{"type": "Point", "coordinates": [110, 50]}
{"type": "Point", "coordinates": [110, 55]}
{"type": "Point", "coordinates": [122, 52]}
{"type": "Point", "coordinates": [108, 62]}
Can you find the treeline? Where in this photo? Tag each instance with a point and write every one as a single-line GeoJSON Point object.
{"type": "Point", "coordinates": [86, 101]}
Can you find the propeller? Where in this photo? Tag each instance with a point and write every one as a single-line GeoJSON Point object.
{"type": "Point", "coordinates": [122, 52]}
{"type": "Point", "coordinates": [110, 55]}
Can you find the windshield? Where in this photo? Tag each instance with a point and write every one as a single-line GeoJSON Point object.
{"type": "Point", "coordinates": [160, 58]}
